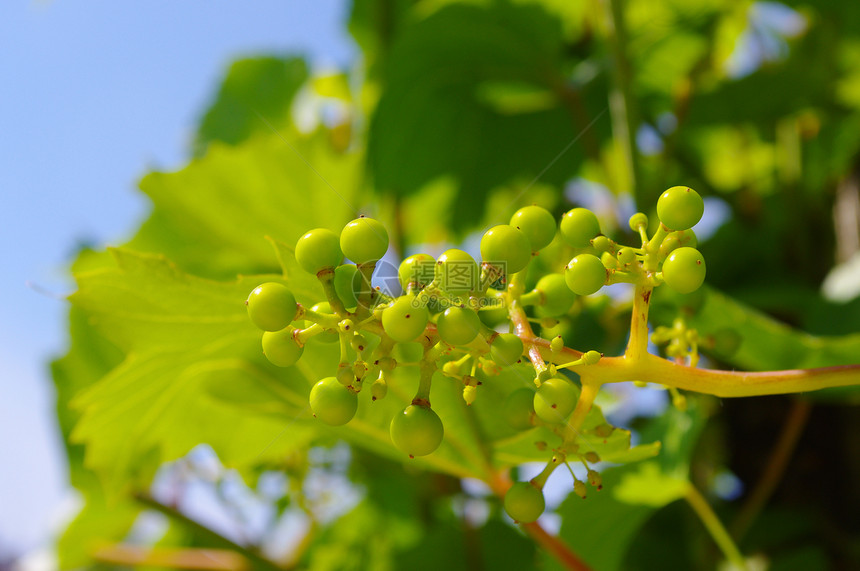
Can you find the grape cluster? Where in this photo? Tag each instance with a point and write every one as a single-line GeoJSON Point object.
{"type": "Point", "coordinates": [445, 311]}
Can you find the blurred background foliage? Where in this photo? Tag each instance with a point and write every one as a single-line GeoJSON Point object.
{"type": "Point", "coordinates": [179, 436]}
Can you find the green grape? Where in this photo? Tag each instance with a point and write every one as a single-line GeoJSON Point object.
{"type": "Point", "coordinates": [417, 271]}
{"type": "Point", "coordinates": [579, 226]}
{"type": "Point", "coordinates": [318, 250]}
{"type": "Point", "coordinates": [271, 306]}
{"type": "Point", "coordinates": [688, 238]}
{"type": "Point", "coordinates": [556, 297]}
{"type": "Point", "coordinates": [347, 284]}
{"type": "Point", "coordinates": [609, 261]}
{"type": "Point", "coordinates": [457, 272]}
{"type": "Point", "coordinates": [506, 349]}
{"type": "Point", "coordinates": [684, 270]}
{"type": "Point", "coordinates": [680, 208]}
{"type": "Point", "coordinates": [417, 430]}
{"type": "Point", "coordinates": [458, 325]}
{"type": "Point", "coordinates": [326, 336]}
{"type": "Point", "coordinates": [537, 224]}
{"type": "Point", "coordinates": [677, 239]}
{"type": "Point", "coordinates": [585, 274]}
{"type": "Point", "coordinates": [280, 348]}
{"type": "Point", "coordinates": [591, 357]}
{"type": "Point", "coordinates": [518, 409]}
{"type": "Point", "coordinates": [506, 248]}
{"type": "Point", "coordinates": [555, 399]}
{"type": "Point", "coordinates": [333, 403]}
{"type": "Point", "coordinates": [637, 221]}
{"type": "Point", "coordinates": [524, 502]}
{"type": "Point", "coordinates": [603, 245]}
{"type": "Point", "coordinates": [626, 256]}
{"type": "Point", "coordinates": [405, 319]}
{"type": "Point", "coordinates": [364, 240]}
{"type": "Point", "coordinates": [491, 316]}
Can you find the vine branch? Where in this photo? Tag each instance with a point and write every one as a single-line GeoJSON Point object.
{"type": "Point", "coordinates": [255, 558]}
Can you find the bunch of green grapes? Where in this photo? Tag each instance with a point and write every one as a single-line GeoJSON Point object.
{"type": "Point", "coordinates": [450, 308]}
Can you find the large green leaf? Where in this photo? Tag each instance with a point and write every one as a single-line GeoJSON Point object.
{"type": "Point", "coordinates": [211, 217]}
{"type": "Point", "coordinates": [439, 115]}
{"type": "Point", "coordinates": [766, 344]}
{"type": "Point", "coordinates": [180, 334]}
{"type": "Point", "coordinates": [255, 94]}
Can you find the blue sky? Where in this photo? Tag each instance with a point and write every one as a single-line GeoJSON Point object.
{"type": "Point", "coordinates": [92, 95]}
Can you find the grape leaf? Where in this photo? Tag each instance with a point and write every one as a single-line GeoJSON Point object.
{"type": "Point", "coordinates": [435, 110]}
{"type": "Point", "coordinates": [255, 91]}
{"type": "Point", "coordinates": [227, 202]}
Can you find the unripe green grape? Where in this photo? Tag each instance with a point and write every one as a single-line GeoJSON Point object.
{"type": "Point", "coordinates": [469, 394]}
{"type": "Point", "coordinates": [556, 297]}
{"type": "Point", "coordinates": [458, 325]}
{"type": "Point", "coordinates": [579, 226]}
{"type": "Point", "coordinates": [271, 306]}
{"type": "Point", "coordinates": [505, 247]}
{"type": "Point", "coordinates": [680, 207]}
{"type": "Point", "coordinates": [417, 430]}
{"type": "Point", "coordinates": [626, 255]}
{"type": "Point", "coordinates": [318, 250]}
{"type": "Point", "coordinates": [585, 274]}
{"type": "Point", "coordinates": [603, 244]}
{"type": "Point", "coordinates": [344, 375]}
{"type": "Point", "coordinates": [386, 363]}
{"type": "Point", "coordinates": [506, 349]}
{"type": "Point", "coordinates": [518, 409]}
{"type": "Point", "coordinates": [492, 316]}
{"type": "Point", "coordinates": [677, 239]}
{"type": "Point", "coordinates": [364, 240]}
{"type": "Point", "coordinates": [379, 388]}
{"type": "Point", "coordinates": [345, 325]}
{"type": "Point", "coordinates": [555, 399]}
{"type": "Point", "coordinates": [524, 502]}
{"type": "Point", "coordinates": [358, 342]}
{"type": "Point", "coordinates": [457, 272]}
{"type": "Point", "coordinates": [688, 238]}
{"type": "Point", "coordinates": [591, 357]}
{"type": "Point", "coordinates": [684, 270]}
{"type": "Point", "coordinates": [417, 270]}
{"type": "Point", "coordinates": [638, 220]}
{"type": "Point", "coordinates": [347, 284]}
{"type": "Point", "coordinates": [537, 224]}
{"type": "Point", "coordinates": [280, 348]}
{"type": "Point", "coordinates": [333, 403]}
{"type": "Point", "coordinates": [609, 261]}
{"type": "Point", "coordinates": [405, 319]}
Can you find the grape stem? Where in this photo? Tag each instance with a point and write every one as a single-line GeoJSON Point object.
{"type": "Point", "coordinates": [326, 278]}
{"type": "Point", "coordinates": [639, 365]}
{"type": "Point", "coordinates": [637, 345]}
{"type": "Point", "coordinates": [715, 528]}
